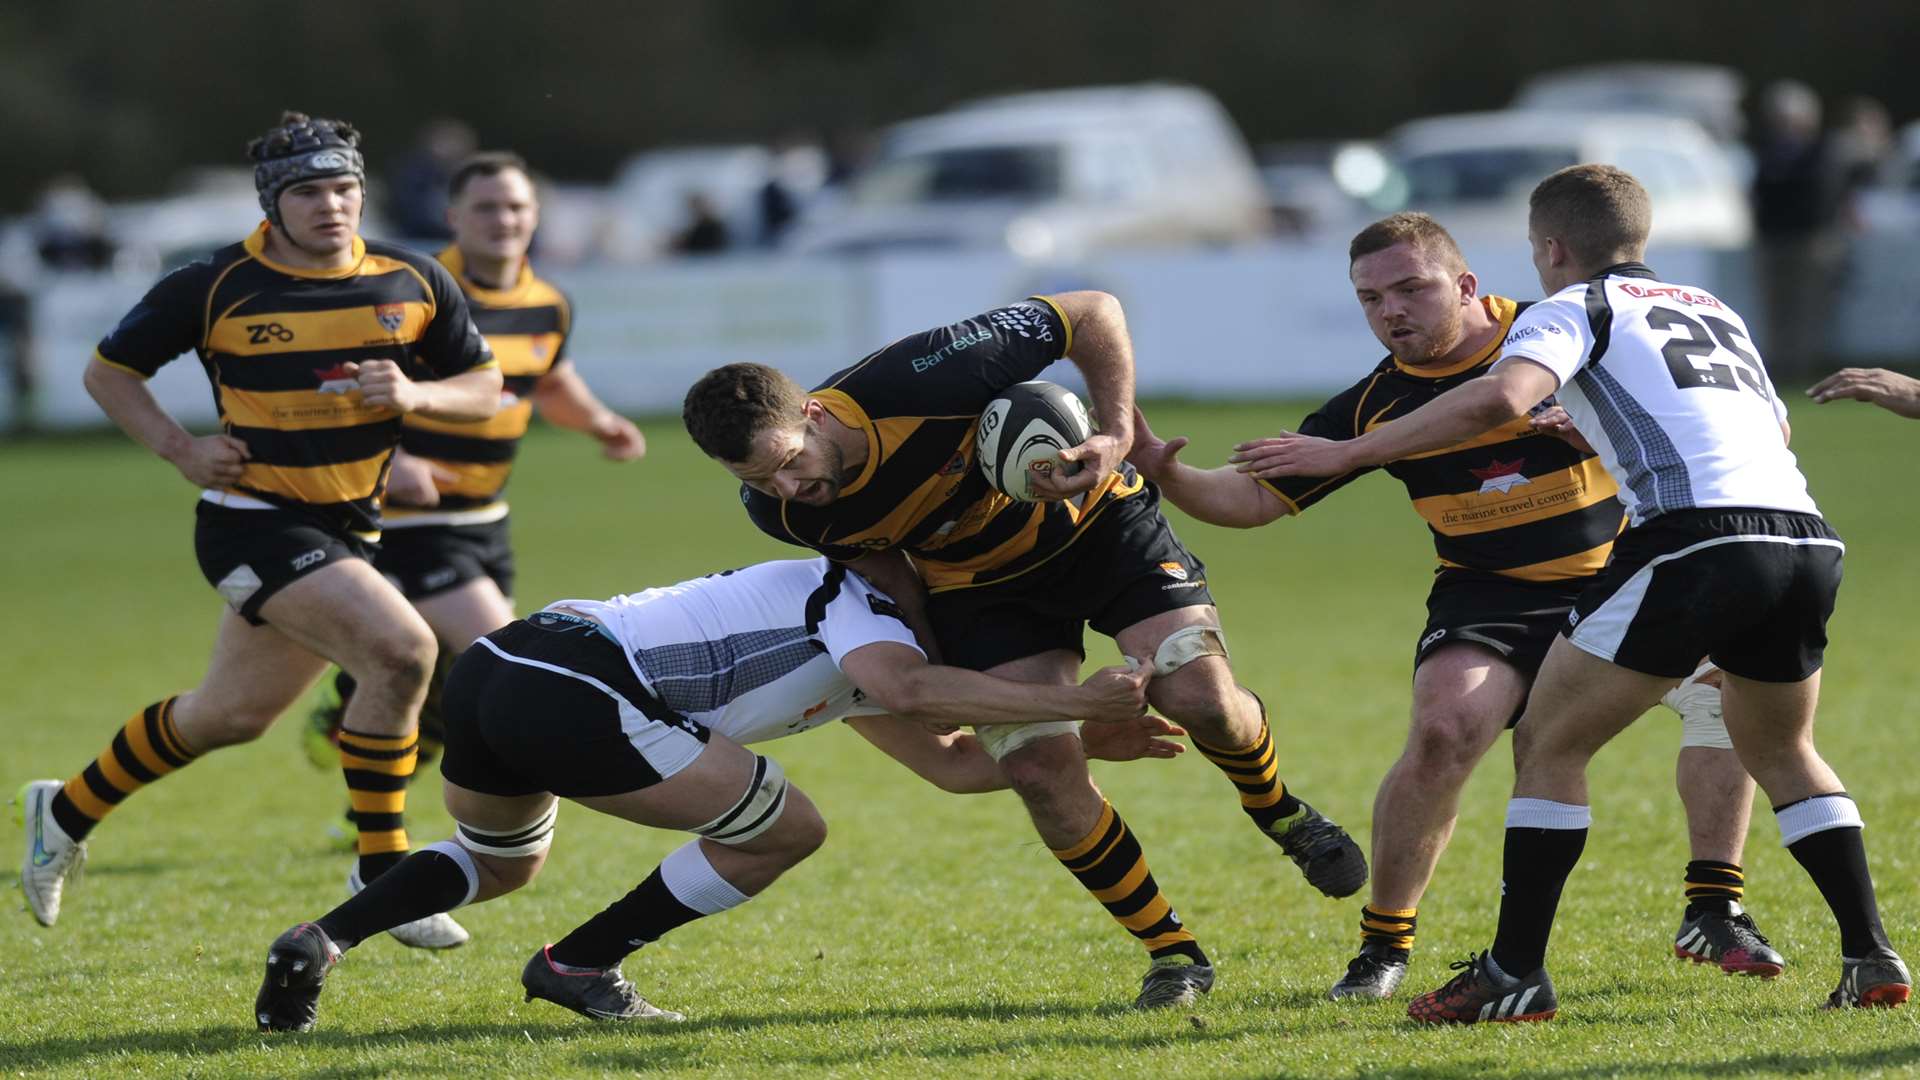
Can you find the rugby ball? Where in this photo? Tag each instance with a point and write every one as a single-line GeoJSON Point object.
{"type": "Point", "coordinates": [1022, 433]}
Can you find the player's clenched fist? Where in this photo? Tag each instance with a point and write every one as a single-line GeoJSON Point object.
{"type": "Point", "coordinates": [212, 461]}
{"type": "Point", "coordinates": [1117, 693]}
{"type": "Point", "coordinates": [384, 385]}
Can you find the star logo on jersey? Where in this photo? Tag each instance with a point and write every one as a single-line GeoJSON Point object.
{"type": "Point", "coordinates": [1501, 476]}
{"type": "Point", "coordinates": [391, 316]}
{"type": "Point", "coordinates": [1174, 570]}
{"type": "Point", "coordinates": [337, 380]}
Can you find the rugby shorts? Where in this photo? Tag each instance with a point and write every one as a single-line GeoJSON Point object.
{"type": "Point", "coordinates": [249, 555]}
{"type": "Point", "coordinates": [1751, 589]}
{"type": "Point", "coordinates": [1126, 566]}
{"type": "Point", "coordinates": [550, 703]}
{"type": "Point", "coordinates": [426, 560]}
{"type": "Point", "coordinates": [1517, 620]}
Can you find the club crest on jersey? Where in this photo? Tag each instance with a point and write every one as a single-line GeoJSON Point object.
{"type": "Point", "coordinates": [1500, 476]}
{"type": "Point", "coordinates": [956, 464]}
{"type": "Point", "coordinates": [1174, 570]}
{"type": "Point", "coordinates": [336, 380]}
{"type": "Point", "coordinates": [392, 316]}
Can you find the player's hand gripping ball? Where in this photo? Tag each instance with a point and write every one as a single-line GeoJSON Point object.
{"type": "Point", "coordinates": [1022, 432]}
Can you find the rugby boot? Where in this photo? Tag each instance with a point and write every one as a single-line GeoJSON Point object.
{"type": "Point", "coordinates": [1481, 993]}
{"type": "Point", "coordinates": [1373, 975]}
{"type": "Point", "coordinates": [597, 995]}
{"type": "Point", "coordinates": [436, 931]}
{"type": "Point", "coordinates": [52, 856]}
{"type": "Point", "coordinates": [1172, 981]}
{"type": "Point", "coordinates": [1879, 980]}
{"type": "Point", "coordinates": [297, 965]}
{"type": "Point", "coordinates": [1322, 850]}
{"type": "Point", "coordinates": [1728, 939]}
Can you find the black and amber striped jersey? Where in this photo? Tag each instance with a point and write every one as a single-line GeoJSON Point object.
{"type": "Point", "coordinates": [1512, 502]}
{"type": "Point", "coordinates": [527, 324]}
{"type": "Point", "coordinates": [275, 341]}
{"type": "Point", "coordinates": [917, 401]}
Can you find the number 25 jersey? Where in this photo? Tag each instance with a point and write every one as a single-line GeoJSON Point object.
{"type": "Point", "coordinates": [1665, 382]}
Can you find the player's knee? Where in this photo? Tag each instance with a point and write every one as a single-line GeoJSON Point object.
{"type": "Point", "coordinates": [500, 874]}
{"type": "Point", "coordinates": [1045, 771]}
{"type": "Point", "coordinates": [400, 660]}
{"type": "Point", "coordinates": [1445, 742]}
{"type": "Point", "coordinates": [802, 830]}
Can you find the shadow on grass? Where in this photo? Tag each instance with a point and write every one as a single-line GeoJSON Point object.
{"type": "Point", "coordinates": [1763, 1064]}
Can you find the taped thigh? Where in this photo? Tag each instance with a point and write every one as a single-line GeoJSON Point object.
{"type": "Point", "coordinates": [765, 800]}
{"type": "Point", "coordinates": [518, 843]}
{"type": "Point", "coordinates": [1187, 644]}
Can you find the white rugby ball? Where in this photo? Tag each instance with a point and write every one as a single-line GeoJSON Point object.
{"type": "Point", "coordinates": [1022, 433]}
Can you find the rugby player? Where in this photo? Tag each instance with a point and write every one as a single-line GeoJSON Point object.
{"type": "Point", "coordinates": [1898, 394]}
{"type": "Point", "coordinates": [638, 707]}
{"type": "Point", "coordinates": [1724, 548]}
{"type": "Point", "coordinates": [878, 464]}
{"type": "Point", "coordinates": [1521, 523]}
{"type": "Point", "coordinates": [317, 343]}
{"type": "Point", "coordinates": [446, 542]}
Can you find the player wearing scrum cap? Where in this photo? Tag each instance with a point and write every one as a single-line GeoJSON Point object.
{"type": "Point", "coordinates": [637, 707]}
{"type": "Point", "coordinates": [1724, 551]}
{"type": "Point", "coordinates": [317, 344]}
{"type": "Point", "coordinates": [877, 464]}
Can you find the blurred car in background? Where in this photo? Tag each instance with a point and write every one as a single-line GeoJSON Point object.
{"type": "Point", "coordinates": [1303, 197]}
{"type": "Point", "coordinates": [1052, 175]}
{"type": "Point", "coordinates": [1474, 171]}
{"type": "Point", "coordinates": [650, 201]}
{"type": "Point", "coordinates": [1708, 94]}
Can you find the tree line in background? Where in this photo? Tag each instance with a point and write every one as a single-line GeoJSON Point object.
{"type": "Point", "coordinates": [126, 94]}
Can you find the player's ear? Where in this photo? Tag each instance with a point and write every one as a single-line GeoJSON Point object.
{"type": "Point", "coordinates": [1469, 286]}
{"type": "Point", "coordinates": [813, 410]}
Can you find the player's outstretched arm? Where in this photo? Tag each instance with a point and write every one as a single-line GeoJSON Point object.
{"type": "Point", "coordinates": [1898, 394]}
{"type": "Point", "coordinates": [957, 763]}
{"type": "Point", "coordinates": [564, 398]}
{"type": "Point", "coordinates": [470, 395]}
{"type": "Point", "coordinates": [1103, 351]}
{"type": "Point", "coordinates": [898, 679]}
{"type": "Point", "coordinates": [1222, 496]}
{"type": "Point", "coordinates": [207, 461]}
{"type": "Point", "coordinates": [1503, 394]}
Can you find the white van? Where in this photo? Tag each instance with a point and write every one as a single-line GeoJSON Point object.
{"type": "Point", "coordinates": [1474, 171]}
{"type": "Point", "coordinates": [1052, 175]}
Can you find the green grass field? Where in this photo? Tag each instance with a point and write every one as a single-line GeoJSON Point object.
{"type": "Point", "coordinates": [933, 935]}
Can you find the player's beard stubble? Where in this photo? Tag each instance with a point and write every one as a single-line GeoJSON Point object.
{"type": "Point", "coordinates": [1430, 344]}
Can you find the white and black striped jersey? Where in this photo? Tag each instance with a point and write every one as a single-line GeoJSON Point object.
{"type": "Point", "coordinates": [752, 653]}
{"type": "Point", "coordinates": [1665, 382]}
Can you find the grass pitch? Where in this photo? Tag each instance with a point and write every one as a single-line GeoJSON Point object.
{"type": "Point", "coordinates": [933, 935]}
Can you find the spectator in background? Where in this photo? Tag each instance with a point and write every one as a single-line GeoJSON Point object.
{"type": "Point", "coordinates": [70, 226]}
{"type": "Point", "coordinates": [417, 199]}
{"type": "Point", "coordinates": [1796, 211]}
{"type": "Point", "coordinates": [17, 355]}
{"type": "Point", "coordinates": [706, 233]}
{"type": "Point", "coordinates": [1862, 142]}
{"type": "Point", "coordinates": [1898, 394]}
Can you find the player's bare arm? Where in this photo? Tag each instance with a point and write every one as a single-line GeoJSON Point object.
{"type": "Point", "coordinates": [1898, 394]}
{"type": "Point", "coordinates": [1503, 394]}
{"type": "Point", "coordinates": [1103, 352]}
{"type": "Point", "coordinates": [893, 573]}
{"type": "Point", "coordinates": [565, 400]}
{"type": "Point", "coordinates": [957, 763]}
{"type": "Point", "coordinates": [415, 481]}
{"type": "Point", "coordinates": [206, 460]}
{"type": "Point", "coordinates": [470, 395]}
{"type": "Point", "coordinates": [1223, 496]}
{"type": "Point", "coordinates": [899, 679]}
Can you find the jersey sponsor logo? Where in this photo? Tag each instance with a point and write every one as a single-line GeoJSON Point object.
{"type": "Point", "coordinates": [1672, 292]}
{"type": "Point", "coordinates": [1024, 320]}
{"type": "Point", "coordinates": [924, 364]}
{"type": "Point", "coordinates": [391, 316]}
{"type": "Point", "coordinates": [1500, 476]}
{"type": "Point", "coordinates": [307, 559]}
{"type": "Point", "coordinates": [885, 607]}
{"type": "Point", "coordinates": [337, 380]}
{"type": "Point", "coordinates": [1522, 333]}
{"type": "Point", "coordinates": [1174, 570]}
{"type": "Point", "coordinates": [262, 333]}
{"type": "Point", "coordinates": [1427, 642]}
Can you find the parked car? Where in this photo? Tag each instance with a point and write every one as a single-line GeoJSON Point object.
{"type": "Point", "coordinates": [1708, 94]}
{"type": "Point", "coordinates": [649, 203]}
{"type": "Point", "coordinates": [1475, 170]}
{"type": "Point", "coordinates": [1053, 175]}
{"type": "Point", "coordinates": [1303, 196]}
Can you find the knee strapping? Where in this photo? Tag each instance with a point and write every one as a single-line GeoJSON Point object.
{"type": "Point", "coordinates": [1187, 644]}
{"type": "Point", "coordinates": [1702, 722]}
{"type": "Point", "coordinates": [757, 810]}
{"type": "Point", "coordinates": [529, 839]}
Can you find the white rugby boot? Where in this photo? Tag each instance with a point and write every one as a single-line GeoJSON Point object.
{"type": "Point", "coordinates": [51, 854]}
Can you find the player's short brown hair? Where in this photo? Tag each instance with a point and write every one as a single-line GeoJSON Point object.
{"type": "Point", "coordinates": [731, 406]}
{"type": "Point", "coordinates": [1600, 214]}
{"type": "Point", "coordinates": [1408, 227]}
{"type": "Point", "coordinates": [485, 163]}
